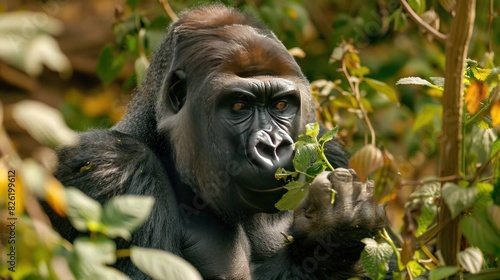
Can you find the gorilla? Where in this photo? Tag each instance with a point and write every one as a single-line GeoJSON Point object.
{"type": "Point", "coordinates": [214, 118]}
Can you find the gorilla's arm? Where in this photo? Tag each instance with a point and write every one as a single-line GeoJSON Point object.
{"type": "Point", "coordinates": [326, 238]}
{"type": "Point", "coordinates": [107, 163]}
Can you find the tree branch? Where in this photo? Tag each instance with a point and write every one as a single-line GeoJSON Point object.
{"type": "Point", "coordinates": [457, 45]}
{"type": "Point", "coordinates": [418, 20]}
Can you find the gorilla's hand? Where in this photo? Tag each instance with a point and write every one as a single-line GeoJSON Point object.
{"type": "Point", "coordinates": [327, 237]}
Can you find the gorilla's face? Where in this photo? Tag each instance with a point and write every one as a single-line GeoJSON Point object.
{"type": "Point", "coordinates": [258, 116]}
{"type": "Point", "coordinates": [236, 102]}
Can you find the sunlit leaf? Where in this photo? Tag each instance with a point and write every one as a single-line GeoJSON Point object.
{"type": "Point", "coordinates": [480, 73]}
{"type": "Point", "coordinates": [413, 81]}
{"type": "Point", "coordinates": [366, 160]}
{"type": "Point", "coordinates": [124, 214]}
{"type": "Point", "coordinates": [93, 255]}
{"type": "Point", "coordinates": [329, 135]}
{"type": "Point", "coordinates": [415, 268]}
{"type": "Point", "coordinates": [475, 95]}
{"type": "Point", "coordinates": [352, 61]}
{"type": "Point", "coordinates": [312, 129]}
{"type": "Point", "coordinates": [437, 81]}
{"type": "Point", "coordinates": [297, 52]}
{"type": "Point", "coordinates": [141, 66]}
{"type": "Point", "coordinates": [375, 258]}
{"type": "Point", "coordinates": [84, 213]}
{"type": "Point", "coordinates": [163, 265]}
{"type": "Point", "coordinates": [43, 123]}
{"type": "Point", "coordinates": [383, 88]}
{"type": "Point", "coordinates": [471, 259]}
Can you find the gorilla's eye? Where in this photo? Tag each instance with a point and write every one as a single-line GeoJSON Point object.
{"type": "Point", "coordinates": [280, 105]}
{"type": "Point", "coordinates": [238, 106]}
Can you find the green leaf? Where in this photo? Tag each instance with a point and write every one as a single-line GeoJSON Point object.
{"type": "Point", "coordinates": [281, 173]}
{"type": "Point", "coordinates": [312, 129]}
{"type": "Point", "coordinates": [124, 214]}
{"type": "Point", "coordinates": [415, 268]}
{"type": "Point", "coordinates": [316, 168]}
{"type": "Point", "coordinates": [133, 3]}
{"type": "Point", "coordinates": [375, 258]}
{"type": "Point", "coordinates": [479, 232]}
{"type": "Point", "coordinates": [442, 272]}
{"type": "Point", "coordinates": [457, 198]}
{"type": "Point", "coordinates": [92, 257]}
{"type": "Point", "coordinates": [296, 192]}
{"type": "Point", "coordinates": [438, 81]}
{"type": "Point", "coordinates": [84, 213]}
{"type": "Point", "coordinates": [141, 66]}
{"type": "Point", "coordinates": [471, 259]}
{"type": "Point", "coordinates": [413, 81]}
{"type": "Point", "coordinates": [495, 151]}
{"type": "Point", "coordinates": [383, 88]}
{"type": "Point", "coordinates": [305, 155]}
{"type": "Point", "coordinates": [329, 135]}
{"type": "Point", "coordinates": [426, 218]}
{"type": "Point", "coordinates": [99, 250]}
{"type": "Point", "coordinates": [163, 265]}
{"type": "Point", "coordinates": [417, 5]}
{"type": "Point", "coordinates": [110, 64]}
{"type": "Point", "coordinates": [426, 115]}
{"type": "Point", "coordinates": [400, 20]}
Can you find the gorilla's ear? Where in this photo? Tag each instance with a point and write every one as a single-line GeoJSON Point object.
{"type": "Point", "coordinates": [177, 91]}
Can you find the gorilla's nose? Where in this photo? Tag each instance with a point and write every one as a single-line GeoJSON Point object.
{"type": "Point", "coordinates": [271, 147]}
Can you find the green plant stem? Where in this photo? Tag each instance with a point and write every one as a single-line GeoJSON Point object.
{"type": "Point", "coordinates": [324, 157]}
{"type": "Point", "coordinates": [122, 253]}
{"type": "Point", "coordinates": [389, 241]}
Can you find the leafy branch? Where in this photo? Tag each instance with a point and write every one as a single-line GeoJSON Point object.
{"type": "Point", "coordinates": [309, 161]}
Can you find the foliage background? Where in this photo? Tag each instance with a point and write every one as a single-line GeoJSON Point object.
{"type": "Point", "coordinates": [391, 48]}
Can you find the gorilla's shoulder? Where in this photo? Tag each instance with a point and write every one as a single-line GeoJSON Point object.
{"type": "Point", "coordinates": [105, 163]}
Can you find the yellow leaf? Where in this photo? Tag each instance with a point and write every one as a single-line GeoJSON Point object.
{"type": "Point", "coordinates": [495, 114]}
{"type": "Point", "coordinates": [352, 61]}
{"type": "Point", "coordinates": [476, 93]}
{"type": "Point", "coordinates": [12, 191]}
{"type": "Point", "coordinates": [480, 73]}
{"type": "Point", "coordinates": [55, 196]}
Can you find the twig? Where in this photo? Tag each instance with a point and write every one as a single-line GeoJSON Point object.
{"type": "Point", "coordinates": [355, 89]}
{"type": "Point", "coordinates": [168, 10]}
{"type": "Point", "coordinates": [423, 182]}
{"type": "Point", "coordinates": [419, 21]}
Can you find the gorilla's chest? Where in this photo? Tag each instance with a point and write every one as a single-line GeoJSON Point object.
{"type": "Point", "coordinates": [217, 250]}
{"type": "Point", "coordinates": [220, 251]}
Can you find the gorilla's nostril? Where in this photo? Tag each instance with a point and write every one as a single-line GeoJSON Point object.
{"type": "Point", "coordinates": [266, 152]}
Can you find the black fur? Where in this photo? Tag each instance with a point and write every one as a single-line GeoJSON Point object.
{"type": "Point", "coordinates": [207, 151]}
